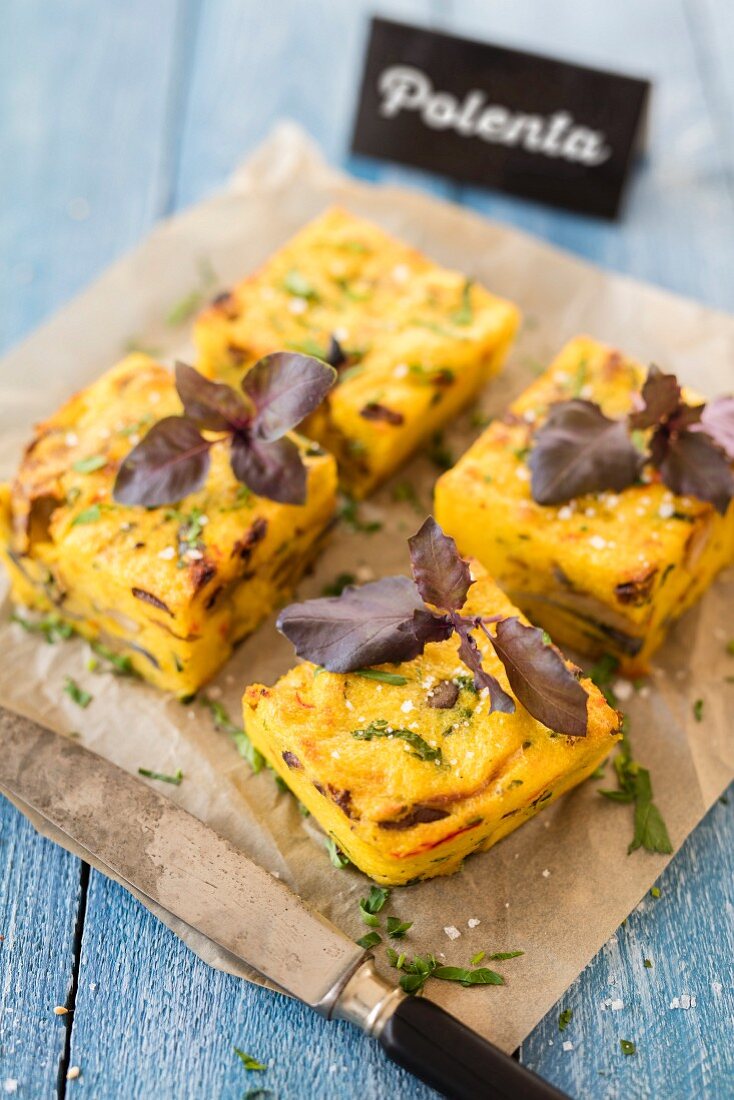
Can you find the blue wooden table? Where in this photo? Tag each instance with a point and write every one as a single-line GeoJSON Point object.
{"type": "Point", "coordinates": [112, 115]}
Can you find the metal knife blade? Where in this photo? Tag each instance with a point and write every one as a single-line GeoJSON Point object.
{"type": "Point", "coordinates": [169, 856]}
{"type": "Point", "coordinates": [173, 858]}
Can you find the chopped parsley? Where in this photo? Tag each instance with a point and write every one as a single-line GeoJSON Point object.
{"type": "Point", "coordinates": [438, 452]}
{"type": "Point", "coordinates": [466, 977]}
{"type": "Point", "coordinates": [348, 513]}
{"type": "Point", "coordinates": [53, 628]}
{"type": "Point", "coordinates": [405, 492]}
{"type": "Point", "coordinates": [174, 779]}
{"type": "Point", "coordinates": [121, 664]}
{"type": "Point", "coordinates": [698, 710]}
{"type": "Point", "coordinates": [464, 315]}
{"type": "Point", "coordinates": [501, 955]}
{"type": "Point", "coordinates": [627, 1046]}
{"type": "Point", "coordinates": [336, 855]}
{"type": "Point", "coordinates": [90, 464]}
{"type": "Point", "coordinates": [647, 963]}
{"type": "Point", "coordinates": [730, 647]}
{"type": "Point", "coordinates": [298, 285]}
{"type": "Point", "coordinates": [87, 515]}
{"type": "Point", "coordinates": [77, 694]}
{"type": "Point", "coordinates": [635, 786]}
{"type": "Point", "coordinates": [371, 939]}
{"type": "Point", "coordinates": [370, 906]}
{"type": "Point", "coordinates": [337, 586]}
{"type": "Point", "coordinates": [380, 728]}
{"type": "Point", "coordinates": [242, 742]}
{"type": "Point", "coordinates": [397, 929]}
{"type": "Point", "coordinates": [564, 1018]}
{"type": "Point", "coordinates": [248, 1061]}
{"type": "Point", "coordinates": [655, 891]}
{"type": "Point", "coordinates": [384, 677]}
{"type": "Point", "coordinates": [476, 959]}
{"type": "Point", "coordinates": [186, 306]}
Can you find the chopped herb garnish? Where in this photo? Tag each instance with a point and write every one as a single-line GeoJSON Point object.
{"type": "Point", "coordinates": [628, 1047]}
{"type": "Point", "coordinates": [371, 939]}
{"type": "Point", "coordinates": [476, 959]}
{"type": "Point", "coordinates": [77, 694]}
{"type": "Point", "coordinates": [647, 963]}
{"type": "Point", "coordinates": [337, 586]}
{"type": "Point", "coordinates": [380, 728]}
{"type": "Point", "coordinates": [655, 891]}
{"type": "Point", "coordinates": [248, 1061]}
{"type": "Point", "coordinates": [698, 710]}
{"type": "Point", "coordinates": [336, 855]}
{"type": "Point", "coordinates": [299, 286]}
{"type": "Point", "coordinates": [87, 515]}
{"type": "Point", "coordinates": [406, 493]}
{"type": "Point", "coordinates": [602, 674]}
{"type": "Point", "coordinates": [348, 513]}
{"type": "Point", "coordinates": [438, 452]}
{"type": "Point", "coordinates": [242, 742]}
{"type": "Point", "coordinates": [397, 929]}
{"type": "Point", "coordinates": [730, 647]}
{"type": "Point", "coordinates": [466, 977]}
{"type": "Point", "coordinates": [500, 955]}
{"type": "Point", "coordinates": [635, 786]}
{"type": "Point", "coordinates": [417, 972]}
{"type": "Point", "coordinates": [174, 779]}
{"type": "Point", "coordinates": [565, 1018]}
{"type": "Point", "coordinates": [464, 315]}
{"type": "Point", "coordinates": [370, 906]}
{"type": "Point", "coordinates": [384, 677]}
{"type": "Point", "coordinates": [89, 465]}
{"type": "Point", "coordinates": [53, 628]}
{"type": "Point", "coordinates": [121, 664]}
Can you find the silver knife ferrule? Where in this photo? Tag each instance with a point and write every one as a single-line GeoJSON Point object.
{"type": "Point", "coordinates": [367, 1000]}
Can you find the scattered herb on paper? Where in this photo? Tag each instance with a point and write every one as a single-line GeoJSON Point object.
{"type": "Point", "coordinates": [336, 855]}
{"type": "Point", "coordinates": [635, 786]}
{"type": "Point", "coordinates": [501, 955]}
{"type": "Point", "coordinates": [77, 694]}
{"type": "Point", "coordinates": [397, 929]}
{"type": "Point", "coordinates": [224, 724]}
{"type": "Point", "coordinates": [698, 710]}
{"type": "Point", "coordinates": [371, 939]}
{"type": "Point", "coordinates": [349, 513]}
{"type": "Point", "coordinates": [248, 1061]}
{"type": "Point", "coordinates": [466, 977]}
{"type": "Point", "coordinates": [52, 627]}
{"type": "Point", "coordinates": [162, 777]}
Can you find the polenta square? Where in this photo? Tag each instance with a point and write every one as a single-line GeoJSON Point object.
{"type": "Point", "coordinates": [171, 588]}
{"type": "Point", "coordinates": [405, 767]}
{"type": "Point", "coordinates": [412, 341]}
{"type": "Point", "coordinates": [607, 571]}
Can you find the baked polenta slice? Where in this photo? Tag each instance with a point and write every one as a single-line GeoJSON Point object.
{"type": "Point", "coordinates": [607, 572]}
{"type": "Point", "coordinates": [410, 774]}
{"type": "Point", "coordinates": [417, 340]}
{"type": "Point", "coordinates": [172, 588]}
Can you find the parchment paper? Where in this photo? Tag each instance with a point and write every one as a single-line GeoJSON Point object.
{"type": "Point", "coordinates": [561, 918]}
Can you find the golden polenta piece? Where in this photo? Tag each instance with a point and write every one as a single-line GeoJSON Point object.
{"type": "Point", "coordinates": [419, 340]}
{"type": "Point", "coordinates": [410, 776]}
{"type": "Point", "coordinates": [607, 572]}
{"type": "Point", "coordinates": [172, 588]}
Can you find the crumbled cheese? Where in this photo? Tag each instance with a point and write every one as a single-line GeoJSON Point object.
{"type": "Point", "coordinates": [298, 305]}
{"type": "Point", "coordinates": [335, 754]}
{"type": "Point", "coordinates": [401, 273]}
{"type": "Point", "coordinates": [523, 473]}
{"type": "Point", "coordinates": [623, 690]}
{"type": "Point", "coordinates": [194, 555]}
{"type": "Point", "coordinates": [473, 922]}
{"type": "Point", "coordinates": [597, 542]}
{"type": "Point", "coordinates": [567, 1045]}
{"type": "Point", "coordinates": [154, 398]}
{"type": "Point", "coordinates": [546, 873]}
{"type": "Point", "coordinates": [401, 370]}
{"type": "Point", "coordinates": [407, 706]}
{"type": "Point", "coordinates": [590, 512]}
{"type": "Point", "coordinates": [349, 704]}
{"type": "Point", "coordinates": [341, 334]}
{"type": "Point", "coordinates": [71, 439]}
{"type": "Point", "coordinates": [529, 416]}
{"type": "Point", "coordinates": [452, 932]}
{"type": "Point", "coordinates": [167, 553]}
{"type": "Point", "coordinates": [565, 512]}
{"type": "Point", "coordinates": [666, 510]}
{"type": "Point", "coordinates": [365, 573]}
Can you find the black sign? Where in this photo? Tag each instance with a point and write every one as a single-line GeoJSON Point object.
{"type": "Point", "coordinates": [559, 133]}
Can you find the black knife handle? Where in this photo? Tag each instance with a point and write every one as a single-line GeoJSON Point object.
{"type": "Point", "coordinates": [455, 1061]}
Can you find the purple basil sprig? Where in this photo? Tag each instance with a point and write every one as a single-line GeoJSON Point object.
{"type": "Point", "coordinates": [579, 450]}
{"type": "Point", "coordinates": [173, 458]}
{"type": "Point", "coordinates": [392, 620]}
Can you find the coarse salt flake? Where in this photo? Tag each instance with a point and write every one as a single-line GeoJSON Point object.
{"type": "Point", "coordinates": [473, 922]}
{"type": "Point", "coordinates": [71, 439]}
{"type": "Point", "coordinates": [666, 510]}
{"type": "Point", "coordinates": [407, 706]}
{"type": "Point", "coordinates": [10, 1085]}
{"type": "Point", "coordinates": [452, 932]}
{"type": "Point", "coordinates": [616, 1005]}
{"type": "Point", "coordinates": [298, 305]}
{"type": "Point", "coordinates": [597, 542]}
{"type": "Point", "coordinates": [546, 873]}
{"type": "Point", "coordinates": [623, 690]}
{"type": "Point", "coordinates": [567, 1045]}
{"type": "Point", "coordinates": [167, 553]}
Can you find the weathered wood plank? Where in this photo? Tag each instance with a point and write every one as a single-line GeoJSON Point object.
{"type": "Point", "coordinates": [39, 895]}
{"type": "Point", "coordinates": [153, 1020]}
{"type": "Point", "coordinates": [678, 1011]}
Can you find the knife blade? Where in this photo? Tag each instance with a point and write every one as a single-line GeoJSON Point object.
{"type": "Point", "coordinates": [163, 852]}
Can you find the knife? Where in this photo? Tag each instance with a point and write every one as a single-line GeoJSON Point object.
{"type": "Point", "coordinates": [170, 857]}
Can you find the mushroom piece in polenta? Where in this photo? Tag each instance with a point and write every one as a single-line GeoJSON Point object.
{"type": "Point", "coordinates": [412, 342]}
{"type": "Point", "coordinates": [168, 537]}
{"type": "Point", "coordinates": [431, 719]}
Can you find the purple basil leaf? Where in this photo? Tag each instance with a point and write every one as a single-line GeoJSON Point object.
{"type": "Point", "coordinates": [717, 421]}
{"type": "Point", "coordinates": [661, 395]}
{"type": "Point", "coordinates": [471, 656]}
{"type": "Point", "coordinates": [271, 469]}
{"type": "Point", "coordinates": [284, 388]}
{"type": "Point", "coordinates": [213, 405]}
{"type": "Point", "coordinates": [171, 462]}
{"type": "Point", "coordinates": [579, 450]}
{"type": "Point", "coordinates": [539, 678]}
{"type": "Point", "coordinates": [693, 465]}
{"type": "Point", "coordinates": [441, 574]}
{"type": "Point", "coordinates": [364, 626]}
